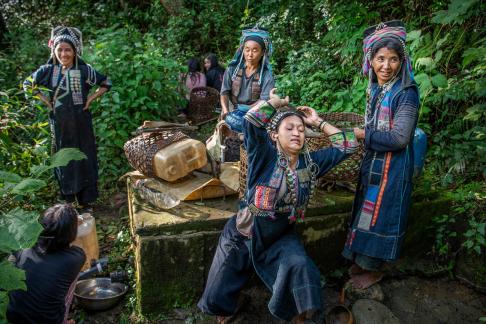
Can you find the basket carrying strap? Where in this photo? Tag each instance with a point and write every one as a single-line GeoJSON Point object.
{"type": "Point", "coordinates": [256, 90]}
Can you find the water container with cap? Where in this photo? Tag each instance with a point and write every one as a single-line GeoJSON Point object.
{"type": "Point", "coordinates": [179, 159]}
{"type": "Point", "coordinates": [87, 239]}
{"type": "Point", "coordinates": [419, 150]}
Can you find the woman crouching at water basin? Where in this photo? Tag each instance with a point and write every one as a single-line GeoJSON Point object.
{"type": "Point", "coordinates": [261, 237]}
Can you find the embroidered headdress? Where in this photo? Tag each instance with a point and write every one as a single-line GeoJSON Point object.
{"type": "Point", "coordinates": [376, 37]}
{"type": "Point", "coordinates": [280, 115]}
{"type": "Point", "coordinates": [261, 36]}
{"type": "Point", "coordinates": [70, 35]}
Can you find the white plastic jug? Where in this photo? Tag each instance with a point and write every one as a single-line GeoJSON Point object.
{"type": "Point", "coordinates": [179, 159]}
{"type": "Point", "coordinates": [87, 238]}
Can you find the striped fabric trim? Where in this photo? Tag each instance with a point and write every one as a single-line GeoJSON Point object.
{"type": "Point", "coordinates": [382, 188]}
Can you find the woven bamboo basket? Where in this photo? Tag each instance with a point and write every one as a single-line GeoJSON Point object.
{"type": "Point", "coordinates": [140, 151]}
{"type": "Point", "coordinates": [202, 103]}
{"type": "Point", "coordinates": [348, 170]}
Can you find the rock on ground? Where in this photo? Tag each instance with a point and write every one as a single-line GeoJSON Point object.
{"type": "Point", "coordinates": [367, 311]}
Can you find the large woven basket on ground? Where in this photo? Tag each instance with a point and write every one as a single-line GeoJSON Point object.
{"type": "Point", "coordinates": [140, 151]}
{"type": "Point", "coordinates": [202, 104]}
{"type": "Point", "coordinates": [347, 170]}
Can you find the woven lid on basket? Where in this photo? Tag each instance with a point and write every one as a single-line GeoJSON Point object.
{"type": "Point", "coordinates": [140, 150]}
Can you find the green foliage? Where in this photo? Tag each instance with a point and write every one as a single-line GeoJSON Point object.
{"type": "Point", "coordinates": [20, 228]}
{"type": "Point", "coordinates": [143, 47]}
{"type": "Point", "coordinates": [145, 87]}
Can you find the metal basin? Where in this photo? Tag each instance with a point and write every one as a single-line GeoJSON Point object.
{"type": "Point", "coordinates": [99, 293]}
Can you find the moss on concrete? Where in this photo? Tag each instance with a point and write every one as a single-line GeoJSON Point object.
{"type": "Point", "coordinates": [173, 254]}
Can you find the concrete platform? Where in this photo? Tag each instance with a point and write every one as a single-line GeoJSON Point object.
{"type": "Point", "coordinates": [174, 250]}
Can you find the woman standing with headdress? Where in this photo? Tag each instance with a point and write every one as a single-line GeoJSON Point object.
{"type": "Point", "coordinates": [281, 179]}
{"type": "Point", "coordinates": [69, 80]}
{"type": "Point", "coordinates": [382, 201]}
{"type": "Point", "coordinates": [248, 77]}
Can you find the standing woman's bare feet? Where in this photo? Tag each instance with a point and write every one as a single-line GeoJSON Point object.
{"type": "Point", "coordinates": [366, 279]}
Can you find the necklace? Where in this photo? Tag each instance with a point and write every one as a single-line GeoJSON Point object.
{"type": "Point", "coordinates": [292, 183]}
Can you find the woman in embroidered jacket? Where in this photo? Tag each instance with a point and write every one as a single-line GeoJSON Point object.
{"type": "Point", "coordinates": [280, 181]}
{"type": "Point", "coordinates": [382, 201]}
{"type": "Point", "coordinates": [69, 80]}
{"type": "Point", "coordinates": [248, 77]}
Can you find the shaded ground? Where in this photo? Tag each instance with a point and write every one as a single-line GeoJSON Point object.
{"type": "Point", "coordinates": [412, 299]}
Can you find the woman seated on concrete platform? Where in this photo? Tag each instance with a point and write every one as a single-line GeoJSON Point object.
{"type": "Point", "coordinates": [280, 182]}
{"type": "Point", "coordinates": [51, 268]}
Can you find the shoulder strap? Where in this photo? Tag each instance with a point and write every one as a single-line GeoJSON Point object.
{"type": "Point", "coordinates": [236, 87]}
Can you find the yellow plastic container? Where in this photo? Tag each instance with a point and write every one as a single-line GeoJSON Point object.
{"type": "Point", "coordinates": [87, 239]}
{"type": "Point", "coordinates": [179, 159]}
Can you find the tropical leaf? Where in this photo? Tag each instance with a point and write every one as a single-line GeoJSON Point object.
{"type": "Point", "coordinates": [426, 62]}
{"type": "Point", "coordinates": [475, 112]}
{"type": "Point", "coordinates": [11, 277]}
{"type": "Point", "coordinates": [65, 155]}
{"type": "Point", "coordinates": [28, 185]}
{"type": "Point", "coordinates": [473, 55]}
{"type": "Point", "coordinates": [9, 177]}
{"type": "Point", "coordinates": [3, 306]}
{"type": "Point", "coordinates": [424, 82]}
{"type": "Point", "coordinates": [439, 80]}
{"type": "Point", "coordinates": [456, 13]}
{"type": "Point", "coordinates": [19, 229]}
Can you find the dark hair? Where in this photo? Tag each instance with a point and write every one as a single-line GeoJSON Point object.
{"type": "Point", "coordinates": [391, 44]}
{"type": "Point", "coordinates": [60, 223]}
{"type": "Point", "coordinates": [193, 67]}
{"type": "Point", "coordinates": [213, 59]}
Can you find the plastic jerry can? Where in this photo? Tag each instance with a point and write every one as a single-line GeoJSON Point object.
{"type": "Point", "coordinates": [179, 159]}
{"type": "Point", "coordinates": [419, 150]}
{"type": "Point", "coordinates": [87, 239]}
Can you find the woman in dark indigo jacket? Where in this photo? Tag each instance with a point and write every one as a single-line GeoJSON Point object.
{"type": "Point", "coordinates": [69, 80]}
{"type": "Point", "coordinates": [382, 201]}
{"type": "Point", "coordinates": [280, 181]}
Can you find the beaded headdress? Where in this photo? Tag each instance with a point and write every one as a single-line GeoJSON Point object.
{"type": "Point", "coordinates": [248, 34]}
{"type": "Point", "coordinates": [69, 34]}
{"type": "Point", "coordinates": [280, 115]}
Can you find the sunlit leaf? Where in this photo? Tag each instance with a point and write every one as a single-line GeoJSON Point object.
{"type": "Point", "coordinates": [19, 229]}
{"type": "Point", "coordinates": [65, 155]}
{"type": "Point", "coordinates": [11, 277]}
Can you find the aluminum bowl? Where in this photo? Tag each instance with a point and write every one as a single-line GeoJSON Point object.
{"type": "Point", "coordinates": [99, 293]}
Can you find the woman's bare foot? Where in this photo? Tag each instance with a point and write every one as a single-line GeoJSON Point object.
{"type": "Point", "coordinates": [366, 279]}
{"type": "Point", "coordinates": [355, 270]}
{"type": "Point", "coordinates": [299, 319]}
{"type": "Point", "coordinates": [222, 319]}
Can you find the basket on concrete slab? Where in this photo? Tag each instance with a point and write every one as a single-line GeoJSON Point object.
{"type": "Point", "coordinates": [202, 104]}
{"type": "Point", "coordinates": [140, 151]}
{"type": "Point", "coordinates": [346, 171]}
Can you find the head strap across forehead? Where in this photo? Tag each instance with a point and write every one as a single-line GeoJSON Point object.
{"type": "Point", "coordinates": [280, 115]}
